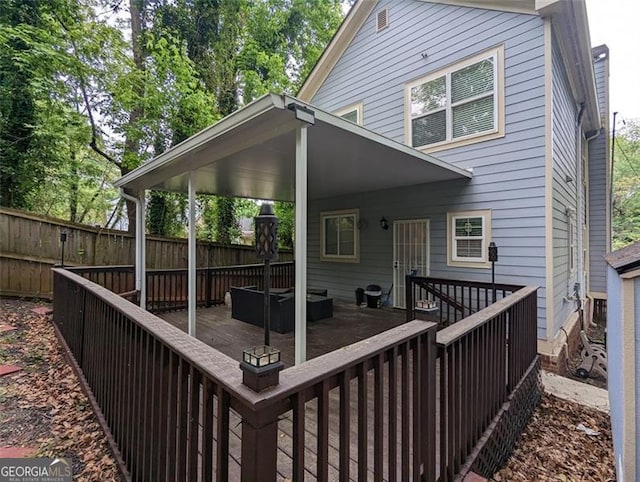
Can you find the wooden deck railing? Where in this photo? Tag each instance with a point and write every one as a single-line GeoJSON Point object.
{"type": "Point", "coordinates": [481, 361]}
{"type": "Point", "coordinates": [177, 409]}
{"type": "Point", "coordinates": [167, 289]}
{"type": "Point", "coordinates": [455, 299]}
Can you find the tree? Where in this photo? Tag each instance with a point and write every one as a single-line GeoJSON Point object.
{"type": "Point", "coordinates": [83, 101]}
{"type": "Point", "coordinates": [626, 185]}
{"type": "Point", "coordinates": [286, 213]}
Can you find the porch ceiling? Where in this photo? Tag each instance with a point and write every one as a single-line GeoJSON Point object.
{"type": "Point", "coordinates": [251, 153]}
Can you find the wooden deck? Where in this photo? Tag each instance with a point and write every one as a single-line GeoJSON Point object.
{"type": "Point", "coordinates": [349, 324]}
{"type": "Point", "coordinates": [379, 408]}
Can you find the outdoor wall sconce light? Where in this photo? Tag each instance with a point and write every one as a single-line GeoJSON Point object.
{"type": "Point", "coordinates": [261, 367]}
{"type": "Point", "coordinates": [266, 249]}
{"type": "Point", "coordinates": [493, 257]}
{"type": "Point", "coordinates": [303, 113]}
{"type": "Point", "coordinates": [63, 240]}
{"type": "Point", "coordinates": [384, 224]}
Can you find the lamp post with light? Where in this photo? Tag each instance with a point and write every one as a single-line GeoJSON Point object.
{"type": "Point", "coordinates": [267, 249]}
{"type": "Point", "coordinates": [493, 257]}
{"type": "Point", "coordinates": [63, 240]}
{"type": "Point", "coordinates": [261, 365]}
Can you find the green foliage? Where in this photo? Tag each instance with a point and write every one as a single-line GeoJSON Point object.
{"type": "Point", "coordinates": [282, 42]}
{"type": "Point", "coordinates": [86, 97]}
{"type": "Point", "coordinates": [626, 185]}
{"type": "Point", "coordinates": [166, 214]}
{"type": "Point", "coordinates": [286, 213]}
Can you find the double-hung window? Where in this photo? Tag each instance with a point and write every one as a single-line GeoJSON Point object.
{"type": "Point", "coordinates": [339, 236]}
{"type": "Point", "coordinates": [461, 103]}
{"type": "Point", "coordinates": [468, 235]}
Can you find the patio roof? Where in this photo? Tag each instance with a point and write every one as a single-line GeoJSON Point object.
{"type": "Point", "coordinates": [251, 153]}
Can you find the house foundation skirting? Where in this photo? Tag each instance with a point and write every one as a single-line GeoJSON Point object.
{"type": "Point", "coordinates": [498, 441]}
{"type": "Point", "coordinates": [555, 354]}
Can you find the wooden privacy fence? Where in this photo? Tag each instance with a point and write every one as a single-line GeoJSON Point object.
{"type": "Point", "coordinates": [176, 409]}
{"type": "Point", "coordinates": [30, 246]}
{"type": "Point", "coordinates": [167, 289]}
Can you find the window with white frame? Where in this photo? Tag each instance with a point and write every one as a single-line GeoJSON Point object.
{"type": "Point", "coordinates": [352, 113]}
{"type": "Point", "coordinates": [468, 234]}
{"type": "Point", "coordinates": [456, 104]}
{"type": "Point", "coordinates": [339, 236]}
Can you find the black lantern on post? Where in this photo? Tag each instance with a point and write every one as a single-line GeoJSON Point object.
{"type": "Point", "coordinates": [493, 257]}
{"type": "Point", "coordinates": [63, 240]}
{"type": "Point", "coordinates": [266, 249]}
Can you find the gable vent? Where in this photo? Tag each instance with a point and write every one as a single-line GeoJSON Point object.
{"type": "Point", "coordinates": [382, 19]}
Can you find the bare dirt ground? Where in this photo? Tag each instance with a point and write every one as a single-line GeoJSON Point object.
{"type": "Point", "coordinates": [43, 407]}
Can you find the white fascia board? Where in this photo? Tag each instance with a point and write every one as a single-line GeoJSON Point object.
{"type": "Point", "coordinates": [341, 40]}
{"type": "Point", "coordinates": [572, 30]}
{"type": "Point", "coordinates": [375, 137]}
{"type": "Point", "coordinates": [514, 6]}
{"type": "Point", "coordinates": [239, 117]}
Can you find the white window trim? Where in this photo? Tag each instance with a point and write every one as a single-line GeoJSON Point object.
{"type": "Point", "coordinates": [482, 262]}
{"type": "Point", "coordinates": [358, 107]}
{"type": "Point", "coordinates": [355, 258]}
{"type": "Point", "coordinates": [498, 93]}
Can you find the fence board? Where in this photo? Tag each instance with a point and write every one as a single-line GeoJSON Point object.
{"type": "Point", "coordinates": [30, 246]}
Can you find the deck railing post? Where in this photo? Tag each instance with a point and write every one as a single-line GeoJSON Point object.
{"type": "Point", "coordinates": [409, 304]}
{"type": "Point", "coordinates": [207, 286]}
{"type": "Point", "coordinates": [259, 446]}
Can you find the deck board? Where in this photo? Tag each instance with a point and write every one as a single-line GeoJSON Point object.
{"type": "Point", "coordinates": [350, 324]}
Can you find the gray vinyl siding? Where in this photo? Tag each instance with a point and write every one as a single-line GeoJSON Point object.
{"type": "Point", "coordinates": [564, 116]}
{"type": "Point", "coordinates": [508, 173]}
{"type": "Point", "coordinates": [598, 159]}
{"type": "Point", "coordinates": [636, 297]}
{"type": "Point", "coordinates": [615, 353]}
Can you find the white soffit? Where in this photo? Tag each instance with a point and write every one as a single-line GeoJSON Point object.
{"type": "Point", "coordinates": [251, 153]}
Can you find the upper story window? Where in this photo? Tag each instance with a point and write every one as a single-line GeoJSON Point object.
{"type": "Point", "coordinates": [468, 233]}
{"type": "Point", "coordinates": [351, 112]}
{"type": "Point", "coordinates": [460, 104]}
{"type": "Point", "coordinates": [339, 236]}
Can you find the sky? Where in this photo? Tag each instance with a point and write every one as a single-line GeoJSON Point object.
{"type": "Point", "coordinates": [617, 24]}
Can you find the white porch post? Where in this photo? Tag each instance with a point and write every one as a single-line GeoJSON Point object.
{"type": "Point", "coordinates": [301, 245]}
{"type": "Point", "coordinates": [141, 236]}
{"type": "Point", "coordinates": [192, 254]}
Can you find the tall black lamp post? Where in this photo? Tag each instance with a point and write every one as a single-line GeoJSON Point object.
{"type": "Point", "coordinates": [493, 257]}
{"type": "Point", "coordinates": [267, 249]}
{"type": "Point", "coordinates": [63, 239]}
{"type": "Point", "coordinates": [261, 365]}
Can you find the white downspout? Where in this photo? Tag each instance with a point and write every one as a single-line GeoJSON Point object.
{"type": "Point", "coordinates": [192, 254]}
{"type": "Point", "coordinates": [140, 245]}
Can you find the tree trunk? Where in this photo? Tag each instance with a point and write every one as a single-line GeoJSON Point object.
{"type": "Point", "coordinates": [132, 143]}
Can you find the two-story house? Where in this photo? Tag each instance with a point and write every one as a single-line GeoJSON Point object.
{"type": "Point", "coordinates": [510, 90]}
{"type": "Point", "coordinates": [426, 131]}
